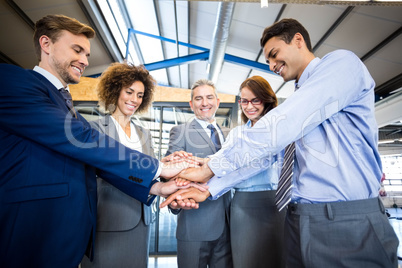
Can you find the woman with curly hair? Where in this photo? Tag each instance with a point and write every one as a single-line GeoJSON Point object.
{"type": "Point", "coordinates": [123, 231]}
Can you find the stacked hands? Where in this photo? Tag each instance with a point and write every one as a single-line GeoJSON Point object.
{"type": "Point", "coordinates": [186, 177]}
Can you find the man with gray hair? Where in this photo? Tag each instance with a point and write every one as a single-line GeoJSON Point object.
{"type": "Point", "coordinates": [203, 238]}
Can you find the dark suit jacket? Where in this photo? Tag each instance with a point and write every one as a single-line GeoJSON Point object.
{"type": "Point", "coordinates": [208, 221]}
{"type": "Point", "coordinates": [48, 172]}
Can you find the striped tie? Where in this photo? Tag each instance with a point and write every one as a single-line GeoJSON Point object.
{"type": "Point", "coordinates": [285, 185]}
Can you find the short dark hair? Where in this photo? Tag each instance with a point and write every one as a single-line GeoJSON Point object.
{"type": "Point", "coordinates": [286, 29]}
{"type": "Point", "coordinates": [121, 75]}
{"type": "Point", "coordinates": [53, 25]}
{"type": "Point", "coordinates": [263, 91]}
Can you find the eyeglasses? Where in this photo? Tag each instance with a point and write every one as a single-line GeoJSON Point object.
{"type": "Point", "coordinates": [254, 101]}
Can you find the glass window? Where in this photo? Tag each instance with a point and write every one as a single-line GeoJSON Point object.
{"type": "Point", "coordinates": [159, 119]}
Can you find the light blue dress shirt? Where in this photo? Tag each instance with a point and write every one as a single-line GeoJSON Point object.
{"type": "Point", "coordinates": [265, 179]}
{"type": "Point", "coordinates": [331, 118]}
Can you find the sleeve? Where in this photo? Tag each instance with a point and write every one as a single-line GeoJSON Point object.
{"type": "Point", "coordinates": [27, 111]}
{"type": "Point", "coordinates": [219, 185]}
{"type": "Point", "coordinates": [337, 81]}
{"type": "Point", "coordinates": [174, 211]}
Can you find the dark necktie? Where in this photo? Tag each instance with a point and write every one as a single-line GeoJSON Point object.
{"type": "Point", "coordinates": [215, 137]}
{"type": "Point", "coordinates": [69, 101]}
{"type": "Point", "coordinates": [285, 185]}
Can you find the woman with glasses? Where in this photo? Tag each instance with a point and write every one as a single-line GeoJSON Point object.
{"type": "Point", "coordinates": [256, 226]}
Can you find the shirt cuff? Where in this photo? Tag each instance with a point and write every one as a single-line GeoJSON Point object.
{"type": "Point", "coordinates": [174, 211]}
{"type": "Point", "coordinates": [159, 171]}
{"type": "Point", "coordinates": [214, 188]}
{"type": "Point", "coordinates": [151, 197]}
{"type": "Point", "coordinates": [220, 166]}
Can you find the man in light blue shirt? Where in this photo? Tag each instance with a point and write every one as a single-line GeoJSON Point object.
{"type": "Point", "coordinates": [335, 217]}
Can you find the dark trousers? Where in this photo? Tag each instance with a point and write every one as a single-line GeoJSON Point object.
{"type": "Point", "coordinates": [256, 230]}
{"type": "Point", "coordinates": [202, 254]}
{"type": "Point", "coordinates": [340, 234]}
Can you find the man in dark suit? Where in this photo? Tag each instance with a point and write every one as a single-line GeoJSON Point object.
{"type": "Point", "coordinates": [50, 156]}
{"type": "Point", "coordinates": [202, 235]}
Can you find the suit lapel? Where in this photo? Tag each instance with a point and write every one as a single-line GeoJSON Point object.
{"type": "Point", "coordinates": [195, 125]}
{"type": "Point", "coordinates": [54, 93]}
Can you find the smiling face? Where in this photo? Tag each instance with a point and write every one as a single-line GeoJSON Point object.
{"type": "Point", "coordinates": [130, 99]}
{"type": "Point", "coordinates": [204, 103]}
{"type": "Point", "coordinates": [285, 59]}
{"type": "Point", "coordinates": [252, 111]}
{"type": "Point", "coordinates": [67, 57]}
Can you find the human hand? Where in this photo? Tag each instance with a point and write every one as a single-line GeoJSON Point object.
{"type": "Point", "coordinates": [187, 202]}
{"type": "Point", "coordinates": [182, 195]}
{"type": "Point", "coordinates": [183, 182]}
{"type": "Point", "coordinates": [197, 174]}
{"type": "Point", "coordinates": [171, 169]}
{"type": "Point", "coordinates": [165, 189]}
{"type": "Point", "coordinates": [175, 157]}
{"type": "Point", "coordinates": [200, 161]}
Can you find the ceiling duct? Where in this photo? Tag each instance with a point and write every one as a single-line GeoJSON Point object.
{"type": "Point", "coordinates": [219, 39]}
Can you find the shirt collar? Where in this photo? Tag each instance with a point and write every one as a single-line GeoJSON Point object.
{"type": "Point", "coordinates": [52, 79]}
{"type": "Point", "coordinates": [306, 73]}
{"type": "Point", "coordinates": [205, 124]}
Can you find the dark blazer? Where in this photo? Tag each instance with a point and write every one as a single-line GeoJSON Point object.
{"type": "Point", "coordinates": [49, 163]}
{"type": "Point", "coordinates": [208, 221]}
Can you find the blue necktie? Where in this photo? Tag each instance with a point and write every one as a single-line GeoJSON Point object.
{"type": "Point", "coordinates": [215, 137]}
{"type": "Point", "coordinates": [69, 101]}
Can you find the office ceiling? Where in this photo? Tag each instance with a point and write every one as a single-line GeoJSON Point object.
{"type": "Point", "coordinates": [223, 37]}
